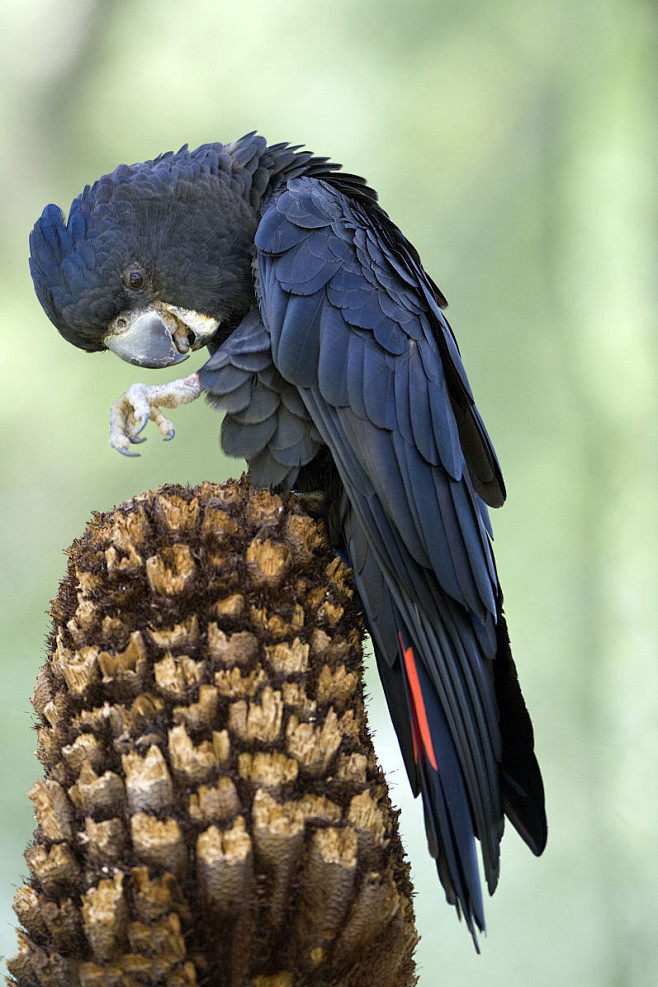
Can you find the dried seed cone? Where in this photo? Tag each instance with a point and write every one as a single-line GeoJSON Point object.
{"type": "Point", "coordinates": [212, 812]}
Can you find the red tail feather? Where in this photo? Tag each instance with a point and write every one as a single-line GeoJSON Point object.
{"type": "Point", "coordinates": [420, 722]}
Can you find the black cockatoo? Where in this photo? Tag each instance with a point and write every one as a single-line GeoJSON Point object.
{"type": "Point", "coordinates": [338, 372]}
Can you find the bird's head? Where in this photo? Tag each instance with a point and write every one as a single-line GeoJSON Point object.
{"type": "Point", "coordinates": [154, 259]}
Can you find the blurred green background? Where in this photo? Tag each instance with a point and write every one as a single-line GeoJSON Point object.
{"type": "Point", "coordinates": [513, 143]}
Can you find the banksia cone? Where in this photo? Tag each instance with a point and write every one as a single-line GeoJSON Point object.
{"type": "Point", "coordinates": [212, 812]}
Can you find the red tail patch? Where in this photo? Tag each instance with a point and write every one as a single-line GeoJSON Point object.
{"type": "Point", "coordinates": [421, 724]}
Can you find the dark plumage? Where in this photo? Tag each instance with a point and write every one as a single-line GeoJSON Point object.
{"type": "Point", "coordinates": [338, 371]}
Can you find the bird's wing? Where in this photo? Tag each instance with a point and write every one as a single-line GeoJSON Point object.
{"type": "Point", "coordinates": [356, 326]}
{"type": "Point", "coordinates": [351, 327]}
{"type": "Point", "coordinates": [266, 422]}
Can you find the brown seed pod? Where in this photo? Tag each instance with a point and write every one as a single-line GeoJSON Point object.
{"type": "Point", "coordinates": [212, 811]}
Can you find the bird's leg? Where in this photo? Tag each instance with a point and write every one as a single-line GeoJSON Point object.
{"type": "Point", "coordinates": [141, 403]}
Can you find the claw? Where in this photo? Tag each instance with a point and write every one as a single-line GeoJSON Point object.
{"type": "Point", "coordinates": [141, 404]}
{"type": "Point", "coordinates": [128, 452]}
{"type": "Point", "coordinates": [143, 423]}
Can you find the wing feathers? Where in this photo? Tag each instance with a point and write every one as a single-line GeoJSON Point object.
{"type": "Point", "coordinates": [360, 342]}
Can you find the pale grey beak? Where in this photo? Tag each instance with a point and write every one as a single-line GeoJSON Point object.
{"type": "Point", "coordinates": [146, 341]}
{"type": "Point", "coordinates": [160, 336]}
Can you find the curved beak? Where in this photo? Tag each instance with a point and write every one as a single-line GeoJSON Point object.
{"type": "Point", "coordinates": [148, 339]}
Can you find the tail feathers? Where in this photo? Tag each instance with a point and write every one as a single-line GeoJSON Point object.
{"type": "Point", "coordinates": [376, 600]}
{"type": "Point", "coordinates": [448, 820]}
{"type": "Point", "coordinates": [522, 788]}
{"type": "Point", "coordinates": [392, 677]}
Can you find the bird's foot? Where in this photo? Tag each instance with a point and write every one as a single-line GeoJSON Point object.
{"type": "Point", "coordinates": [141, 403]}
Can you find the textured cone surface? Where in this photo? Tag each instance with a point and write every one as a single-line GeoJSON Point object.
{"type": "Point", "coordinates": [212, 812]}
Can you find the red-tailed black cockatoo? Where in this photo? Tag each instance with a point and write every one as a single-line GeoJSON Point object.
{"type": "Point", "coordinates": [338, 372]}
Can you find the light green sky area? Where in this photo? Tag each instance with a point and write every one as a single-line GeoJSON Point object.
{"type": "Point", "coordinates": [514, 142]}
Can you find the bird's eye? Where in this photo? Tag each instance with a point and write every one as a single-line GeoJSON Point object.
{"type": "Point", "coordinates": [135, 279]}
{"type": "Point", "coordinates": [121, 323]}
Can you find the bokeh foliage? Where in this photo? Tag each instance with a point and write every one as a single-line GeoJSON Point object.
{"type": "Point", "coordinates": [515, 144]}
